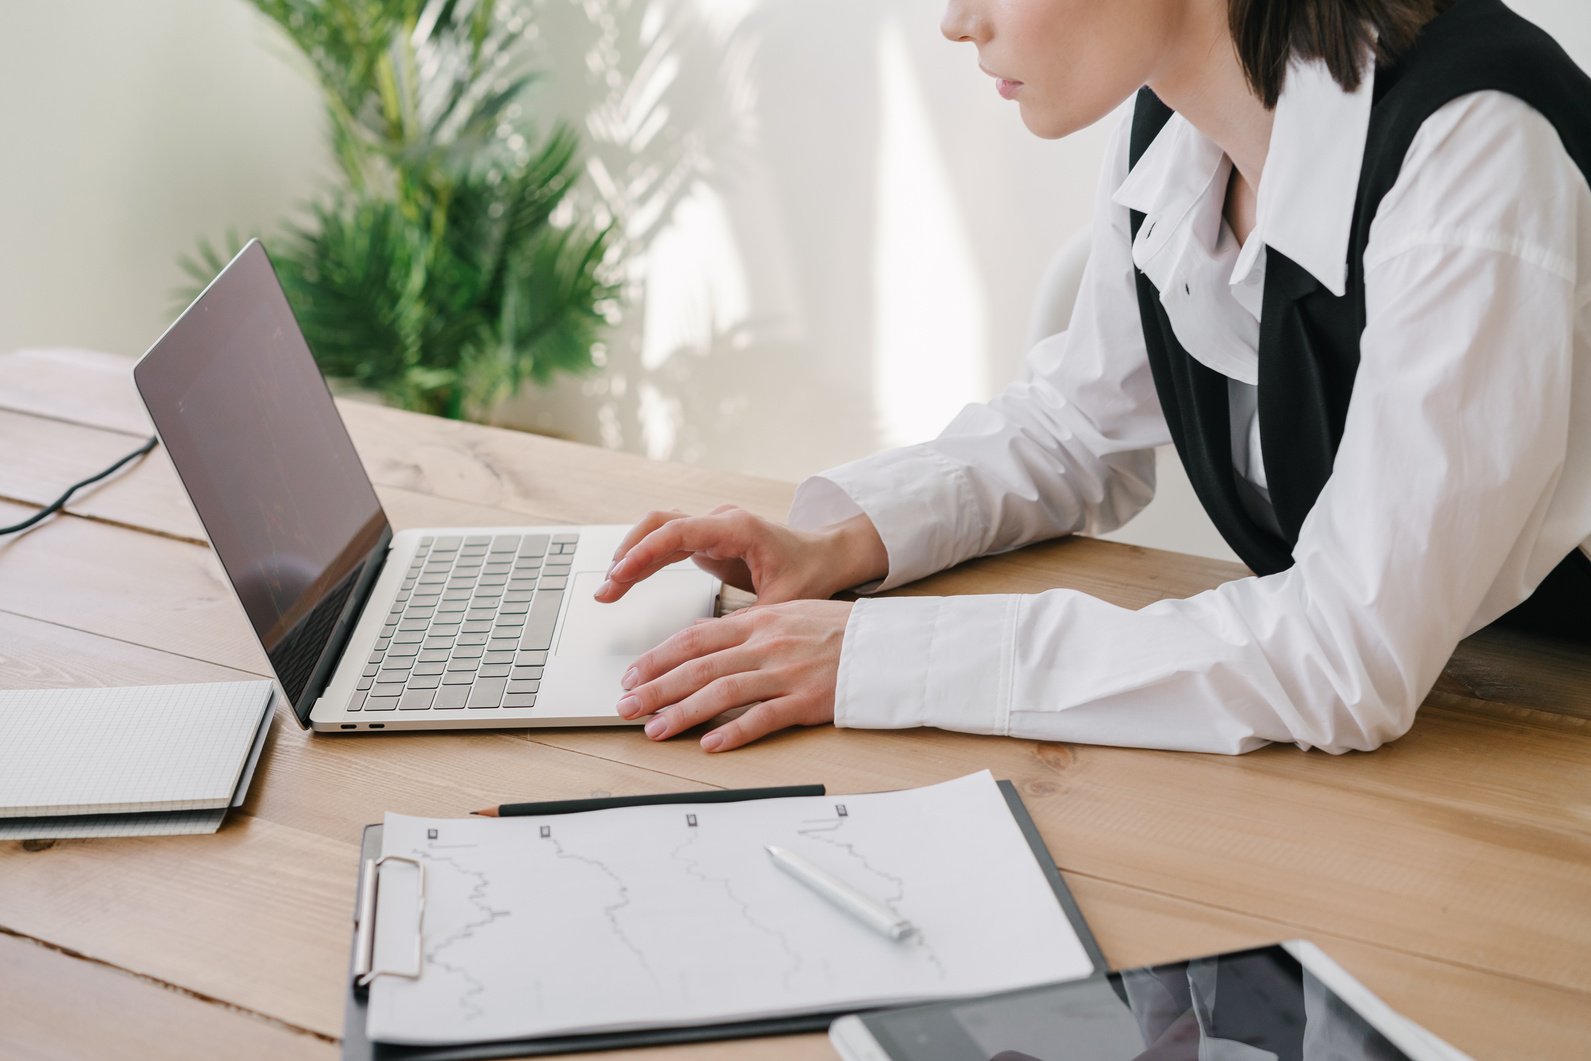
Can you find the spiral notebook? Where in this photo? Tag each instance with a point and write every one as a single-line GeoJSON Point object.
{"type": "Point", "coordinates": [136, 760]}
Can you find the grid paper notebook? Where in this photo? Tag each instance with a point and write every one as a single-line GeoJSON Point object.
{"type": "Point", "coordinates": [136, 749]}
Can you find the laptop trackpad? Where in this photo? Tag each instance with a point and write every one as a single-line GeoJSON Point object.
{"type": "Point", "coordinates": [649, 614]}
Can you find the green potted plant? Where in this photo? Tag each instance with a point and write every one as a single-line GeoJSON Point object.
{"type": "Point", "coordinates": [447, 268]}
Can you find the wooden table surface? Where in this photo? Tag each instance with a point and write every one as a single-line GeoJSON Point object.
{"type": "Point", "coordinates": [1450, 871]}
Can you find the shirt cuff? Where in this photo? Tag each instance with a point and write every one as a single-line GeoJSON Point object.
{"type": "Point", "coordinates": [928, 661]}
{"type": "Point", "coordinates": [920, 503]}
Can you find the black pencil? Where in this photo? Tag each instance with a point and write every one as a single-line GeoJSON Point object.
{"type": "Point", "coordinates": [717, 795]}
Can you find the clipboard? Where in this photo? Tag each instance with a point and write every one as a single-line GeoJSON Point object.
{"type": "Point", "coordinates": [358, 1047]}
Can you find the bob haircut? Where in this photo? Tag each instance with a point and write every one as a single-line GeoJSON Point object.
{"type": "Point", "coordinates": [1268, 33]}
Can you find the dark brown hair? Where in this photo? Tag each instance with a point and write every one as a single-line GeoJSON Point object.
{"type": "Point", "coordinates": [1270, 32]}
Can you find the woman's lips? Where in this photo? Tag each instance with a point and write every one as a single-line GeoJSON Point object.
{"type": "Point", "coordinates": [1007, 89]}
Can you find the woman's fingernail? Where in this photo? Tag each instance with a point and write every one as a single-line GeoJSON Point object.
{"type": "Point", "coordinates": [711, 742]}
{"type": "Point", "coordinates": [656, 727]}
{"type": "Point", "coordinates": [602, 590]}
{"type": "Point", "coordinates": [610, 569]}
{"type": "Point", "coordinates": [629, 707]}
{"type": "Point", "coordinates": [629, 679]}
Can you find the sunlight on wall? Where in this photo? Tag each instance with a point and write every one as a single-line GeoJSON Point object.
{"type": "Point", "coordinates": [929, 329]}
{"type": "Point", "coordinates": [695, 283]}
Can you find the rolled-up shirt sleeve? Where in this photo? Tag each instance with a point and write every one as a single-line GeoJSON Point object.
{"type": "Point", "coordinates": [1463, 478]}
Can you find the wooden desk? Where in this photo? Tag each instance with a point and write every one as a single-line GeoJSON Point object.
{"type": "Point", "coordinates": [1451, 871]}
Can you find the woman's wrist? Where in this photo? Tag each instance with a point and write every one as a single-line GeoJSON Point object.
{"type": "Point", "coordinates": [857, 551]}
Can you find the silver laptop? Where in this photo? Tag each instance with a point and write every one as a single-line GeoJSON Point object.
{"type": "Point", "coordinates": [367, 629]}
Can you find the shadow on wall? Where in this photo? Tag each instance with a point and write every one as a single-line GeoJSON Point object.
{"type": "Point", "coordinates": [742, 145]}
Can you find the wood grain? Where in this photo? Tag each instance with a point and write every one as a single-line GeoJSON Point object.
{"type": "Point", "coordinates": [1448, 870]}
{"type": "Point", "coordinates": [61, 1008]}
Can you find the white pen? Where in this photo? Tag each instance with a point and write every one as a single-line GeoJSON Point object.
{"type": "Point", "coordinates": [869, 911]}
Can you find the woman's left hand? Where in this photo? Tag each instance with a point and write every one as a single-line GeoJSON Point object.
{"type": "Point", "coordinates": [782, 659]}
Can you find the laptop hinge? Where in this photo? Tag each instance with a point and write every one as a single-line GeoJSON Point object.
{"type": "Point", "coordinates": [343, 630]}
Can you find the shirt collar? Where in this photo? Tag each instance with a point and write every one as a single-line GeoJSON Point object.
{"type": "Point", "coordinates": [1311, 182]}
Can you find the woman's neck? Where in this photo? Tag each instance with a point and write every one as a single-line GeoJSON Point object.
{"type": "Point", "coordinates": [1202, 80]}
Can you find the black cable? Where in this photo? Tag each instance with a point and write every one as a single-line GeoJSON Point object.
{"type": "Point", "coordinates": [60, 502]}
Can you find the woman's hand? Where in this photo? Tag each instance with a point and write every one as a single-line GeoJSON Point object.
{"type": "Point", "coordinates": [781, 659]}
{"type": "Point", "coordinates": [751, 553]}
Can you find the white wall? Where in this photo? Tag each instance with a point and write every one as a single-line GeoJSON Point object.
{"type": "Point", "coordinates": [838, 225]}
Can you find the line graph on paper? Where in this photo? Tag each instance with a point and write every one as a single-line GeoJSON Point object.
{"type": "Point", "coordinates": [675, 914]}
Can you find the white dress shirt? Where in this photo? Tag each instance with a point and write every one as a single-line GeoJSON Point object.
{"type": "Point", "coordinates": [1463, 477]}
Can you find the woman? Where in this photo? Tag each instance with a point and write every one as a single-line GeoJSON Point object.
{"type": "Point", "coordinates": [1347, 272]}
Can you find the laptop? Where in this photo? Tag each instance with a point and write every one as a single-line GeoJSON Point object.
{"type": "Point", "coordinates": [367, 628]}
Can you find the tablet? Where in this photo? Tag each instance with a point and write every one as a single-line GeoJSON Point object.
{"type": "Point", "coordinates": [1286, 1002]}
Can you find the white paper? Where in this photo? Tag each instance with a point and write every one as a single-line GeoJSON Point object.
{"type": "Point", "coordinates": [675, 915]}
{"type": "Point", "coordinates": [126, 750]}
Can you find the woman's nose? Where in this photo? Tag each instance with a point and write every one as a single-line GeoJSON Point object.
{"type": "Point", "coordinates": [958, 23]}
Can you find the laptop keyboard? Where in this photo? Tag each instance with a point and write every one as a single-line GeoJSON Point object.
{"type": "Point", "coordinates": [471, 625]}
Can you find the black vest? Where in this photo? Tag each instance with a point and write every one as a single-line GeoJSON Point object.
{"type": "Point", "coordinates": [1309, 338]}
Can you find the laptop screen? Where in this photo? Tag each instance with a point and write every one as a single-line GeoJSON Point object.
{"type": "Point", "coordinates": [246, 417]}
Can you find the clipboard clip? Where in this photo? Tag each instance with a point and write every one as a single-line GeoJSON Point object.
{"type": "Point", "coordinates": [365, 922]}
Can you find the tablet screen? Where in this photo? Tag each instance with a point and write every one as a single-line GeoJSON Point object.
{"type": "Point", "coordinates": [1255, 1005]}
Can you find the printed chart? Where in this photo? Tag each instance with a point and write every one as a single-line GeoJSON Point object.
{"type": "Point", "coordinates": [668, 915]}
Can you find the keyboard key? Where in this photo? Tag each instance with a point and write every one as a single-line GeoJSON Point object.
{"type": "Point", "coordinates": [402, 650]}
{"type": "Point", "coordinates": [522, 673]}
{"type": "Point", "coordinates": [471, 639]}
{"type": "Point", "coordinates": [468, 665]}
{"type": "Point", "coordinates": [531, 659]}
{"type": "Point", "coordinates": [519, 700]}
{"type": "Point", "coordinates": [439, 642]}
{"type": "Point", "coordinates": [523, 687]}
{"type": "Point", "coordinates": [375, 665]}
{"type": "Point", "coordinates": [476, 626]}
{"type": "Point", "coordinates": [501, 642]}
{"type": "Point", "coordinates": [505, 543]}
{"type": "Point", "coordinates": [493, 670]}
{"type": "Point", "coordinates": [408, 637]}
{"type": "Point", "coordinates": [479, 615]}
{"type": "Point", "coordinates": [387, 689]}
{"type": "Point", "coordinates": [447, 543]}
{"type": "Point", "coordinates": [424, 681]}
{"type": "Point", "coordinates": [358, 702]}
{"type": "Point", "coordinates": [381, 703]}
{"type": "Point", "coordinates": [533, 545]}
{"type": "Point", "coordinates": [469, 651]}
{"type": "Point", "coordinates": [433, 655]}
{"type": "Point", "coordinates": [430, 668]}
{"type": "Point", "coordinates": [498, 657]}
{"type": "Point", "coordinates": [458, 677]}
{"type": "Point", "coordinates": [487, 692]}
{"type": "Point", "coordinates": [543, 617]}
{"type": "Point", "coordinates": [553, 582]}
{"type": "Point", "coordinates": [449, 697]}
{"type": "Point", "coordinates": [416, 700]}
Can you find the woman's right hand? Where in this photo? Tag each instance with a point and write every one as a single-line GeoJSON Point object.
{"type": "Point", "coordinates": [775, 562]}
